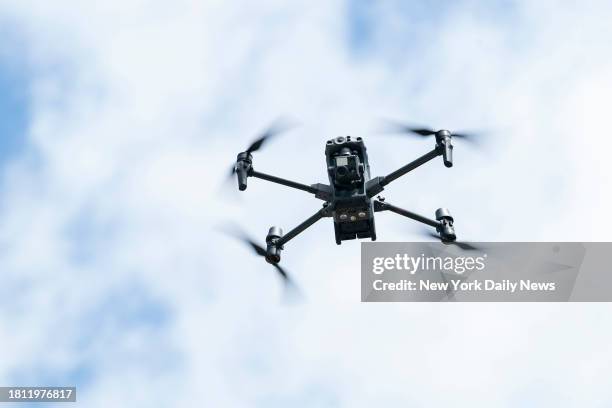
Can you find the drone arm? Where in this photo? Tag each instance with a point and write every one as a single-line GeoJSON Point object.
{"type": "Point", "coordinates": [323, 212]}
{"type": "Point", "coordinates": [377, 184]}
{"type": "Point", "coordinates": [382, 206]}
{"type": "Point", "coordinates": [410, 166]}
{"type": "Point", "coordinates": [319, 190]}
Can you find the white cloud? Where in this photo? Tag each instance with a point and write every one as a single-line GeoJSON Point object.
{"type": "Point", "coordinates": [139, 108]}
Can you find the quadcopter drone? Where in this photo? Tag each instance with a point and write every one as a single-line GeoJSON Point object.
{"type": "Point", "coordinates": [349, 198]}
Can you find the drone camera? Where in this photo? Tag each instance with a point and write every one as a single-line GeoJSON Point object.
{"type": "Point", "coordinates": [273, 251]}
{"type": "Point", "coordinates": [346, 168]}
{"type": "Point", "coordinates": [346, 162]}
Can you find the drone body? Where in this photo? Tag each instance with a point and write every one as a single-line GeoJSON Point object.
{"type": "Point", "coordinates": [349, 172]}
{"type": "Point", "coordinates": [349, 198]}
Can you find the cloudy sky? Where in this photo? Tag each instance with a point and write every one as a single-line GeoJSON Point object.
{"type": "Point", "coordinates": [119, 121]}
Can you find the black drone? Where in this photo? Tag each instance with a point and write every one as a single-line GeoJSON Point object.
{"type": "Point", "coordinates": [349, 196]}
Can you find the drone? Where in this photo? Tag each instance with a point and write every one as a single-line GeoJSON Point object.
{"type": "Point", "coordinates": [351, 198]}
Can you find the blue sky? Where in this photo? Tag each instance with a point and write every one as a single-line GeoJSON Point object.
{"type": "Point", "coordinates": [367, 31]}
{"type": "Point", "coordinates": [365, 27]}
{"type": "Point", "coordinates": [14, 109]}
{"type": "Point", "coordinates": [120, 280]}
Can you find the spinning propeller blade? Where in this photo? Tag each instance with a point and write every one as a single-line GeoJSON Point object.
{"type": "Point", "coordinates": [277, 127]}
{"type": "Point", "coordinates": [259, 250]}
{"type": "Point", "coordinates": [403, 128]}
{"type": "Point", "coordinates": [463, 245]}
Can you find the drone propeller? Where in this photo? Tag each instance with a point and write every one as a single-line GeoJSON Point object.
{"type": "Point", "coordinates": [277, 127]}
{"type": "Point", "coordinates": [463, 245]}
{"type": "Point", "coordinates": [399, 127]}
{"type": "Point", "coordinates": [260, 251]}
